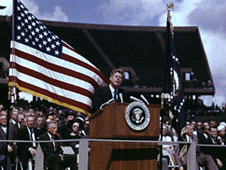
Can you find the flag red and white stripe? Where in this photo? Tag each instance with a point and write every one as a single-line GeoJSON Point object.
{"type": "Point", "coordinates": [62, 76]}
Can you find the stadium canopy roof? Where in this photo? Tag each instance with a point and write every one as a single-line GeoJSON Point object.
{"type": "Point", "coordinates": [139, 50]}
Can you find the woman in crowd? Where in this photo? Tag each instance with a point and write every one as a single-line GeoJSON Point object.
{"type": "Point", "coordinates": [76, 126]}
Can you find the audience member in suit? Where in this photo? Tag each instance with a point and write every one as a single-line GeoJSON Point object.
{"type": "Point", "coordinates": [14, 118]}
{"type": "Point", "coordinates": [216, 152]}
{"type": "Point", "coordinates": [10, 147]}
{"type": "Point", "coordinates": [26, 151]}
{"type": "Point", "coordinates": [39, 125]}
{"type": "Point", "coordinates": [13, 122]}
{"type": "Point", "coordinates": [112, 91]}
{"type": "Point", "coordinates": [53, 152]}
{"type": "Point", "coordinates": [20, 120]}
{"type": "Point", "coordinates": [12, 130]}
{"type": "Point", "coordinates": [199, 127]}
{"type": "Point", "coordinates": [203, 138]}
{"type": "Point", "coordinates": [202, 159]}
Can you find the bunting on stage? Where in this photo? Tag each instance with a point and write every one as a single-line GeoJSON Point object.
{"type": "Point", "coordinates": [44, 65]}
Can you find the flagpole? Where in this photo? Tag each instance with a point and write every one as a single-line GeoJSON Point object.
{"type": "Point", "coordinates": [11, 90]}
{"type": "Point", "coordinates": [165, 97]}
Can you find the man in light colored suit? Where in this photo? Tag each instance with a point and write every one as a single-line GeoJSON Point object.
{"type": "Point", "coordinates": [202, 159]}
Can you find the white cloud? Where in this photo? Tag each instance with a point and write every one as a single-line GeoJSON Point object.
{"type": "Point", "coordinates": [209, 17]}
{"type": "Point", "coordinates": [8, 9]}
{"type": "Point", "coordinates": [215, 46]}
{"type": "Point", "coordinates": [55, 14]}
{"type": "Point", "coordinates": [133, 12]}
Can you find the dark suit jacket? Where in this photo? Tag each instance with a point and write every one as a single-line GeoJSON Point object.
{"type": "Point", "coordinates": [48, 148]}
{"type": "Point", "coordinates": [50, 154]}
{"type": "Point", "coordinates": [14, 125]}
{"type": "Point", "coordinates": [12, 136]}
{"type": "Point", "coordinates": [23, 152]}
{"type": "Point", "coordinates": [204, 140]}
{"type": "Point", "coordinates": [102, 95]}
{"type": "Point", "coordinates": [213, 151]}
{"type": "Point", "coordinates": [2, 153]}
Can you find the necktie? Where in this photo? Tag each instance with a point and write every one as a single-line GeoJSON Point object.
{"type": "Point", "coordinates": [116, 97]}
{"type": "Point", "coordinates": [54, 146]}
{"type": "Point", "coordinates": [32, 137]}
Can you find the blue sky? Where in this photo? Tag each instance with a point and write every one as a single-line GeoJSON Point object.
{"type": "Point", "coordinates": [208, 15]}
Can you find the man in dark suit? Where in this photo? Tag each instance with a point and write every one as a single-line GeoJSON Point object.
{"type": "Point", "coordinates": [10, 148]}
{"type": "Point", "coordinates": [203, 138]}
{"type": "Point", "coordinates": [26, 151]}
{"type": "Point", "coordinates": [54, 159]}
{"type": "Point", "coordinates": [110, 93]}
{"type": "Point", "coordinates": [216, 152]}
{"type": "Point", "coordinates": [13, 119]}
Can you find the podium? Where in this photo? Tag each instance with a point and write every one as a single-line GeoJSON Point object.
{"type": "Point", "coordinates": [112, 123]}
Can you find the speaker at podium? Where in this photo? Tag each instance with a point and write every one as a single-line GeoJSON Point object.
{"type": "Point", "coordinates": [134, 121]}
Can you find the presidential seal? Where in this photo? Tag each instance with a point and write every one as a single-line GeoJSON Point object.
{"type": "Point", "coordinates": [137, 116]}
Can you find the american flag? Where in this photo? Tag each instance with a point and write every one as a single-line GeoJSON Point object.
{"type": "Point", "coordinates": [45, 66]}
{"type": "Point", "coordinates": [172, 84]}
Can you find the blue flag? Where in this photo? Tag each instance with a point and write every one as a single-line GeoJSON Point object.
{"type": "Point", "coordinates": [172, 83]}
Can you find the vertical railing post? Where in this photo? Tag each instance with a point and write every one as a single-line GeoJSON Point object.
{"type": "Point", "coordinates": [39, 158]}
{"type": "Point", "coordinates": [83, 154]}
{"type": "Point", "coordinates": [191, 156]}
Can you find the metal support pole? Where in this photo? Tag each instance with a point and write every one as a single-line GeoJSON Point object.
{"type": "Point", "coordinates": [39, 158]}
{"type": "Point", "coordinates": [83, 154]}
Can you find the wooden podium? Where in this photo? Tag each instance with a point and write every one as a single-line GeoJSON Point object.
{"type": "Point", "coordinates": [110, 123]}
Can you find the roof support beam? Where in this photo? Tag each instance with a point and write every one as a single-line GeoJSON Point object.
{"type": "Point", "coordinates": [98, 48]}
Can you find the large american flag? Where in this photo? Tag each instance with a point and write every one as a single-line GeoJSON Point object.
{"type": "Point", "coordinates": [45, 66]}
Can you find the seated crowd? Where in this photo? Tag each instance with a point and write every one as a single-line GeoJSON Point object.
{"type": "Point", "coordinates": [208, 158]}
{"type": "Point", "coordinates": [31, 125]}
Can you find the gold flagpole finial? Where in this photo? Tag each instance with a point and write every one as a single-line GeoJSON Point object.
{"type": "Point", "coordinates": [169, 7]}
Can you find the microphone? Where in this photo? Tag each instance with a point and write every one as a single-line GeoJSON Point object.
{"type": "Point", "coordinates": [135, 99]}
{"type": "Point", "coordinates": [121, 98]}
{"type": "Point", "coordinates": [106, 103]}
{"type": "Point", "coordinates": [142, 96]}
